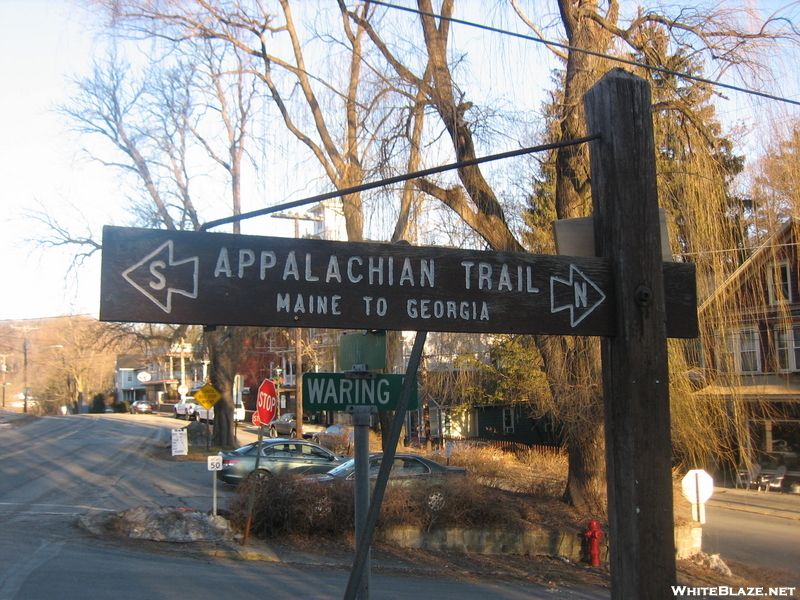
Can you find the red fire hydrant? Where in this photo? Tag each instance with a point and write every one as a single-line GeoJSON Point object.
{"type": "Point", "coordinates": [593, 534]}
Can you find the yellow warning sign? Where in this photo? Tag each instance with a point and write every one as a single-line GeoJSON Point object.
{"type": "Point", "coordinates": [207, 396]}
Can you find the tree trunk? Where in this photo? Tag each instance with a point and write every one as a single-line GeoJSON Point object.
{"type": "Point", "coordinates": [586, 480]}
{"type": "Point", "coordinates": [224, 347]}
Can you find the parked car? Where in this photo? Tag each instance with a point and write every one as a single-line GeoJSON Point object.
{"type": "Point", "coordinates": [286, 426]}
{"type": "Point", "coordinates": [201, 414]}
{"type": "Point", "coordinates": [338, 438]}
{"type": "Point", "coordinates": [186, 408]}
{"type": "Point", "coordinates": [277, 456]}
{"type": "Point", "coordinates": [141, 407]}
{"type": "Point", "coordinates": [408, 470]}
{"type": "Point", "coordinates": [405, 466]}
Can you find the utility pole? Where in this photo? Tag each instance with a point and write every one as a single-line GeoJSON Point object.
{"type": "Point", "coordinates": [24, 329]}
{"type": "Point", "coordinates": [4, 370]}
{"type": "Point", "coordinates": [298, 335]}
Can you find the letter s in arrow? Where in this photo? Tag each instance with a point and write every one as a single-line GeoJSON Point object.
{"type": "Point", "coordinates": [583, 294]}
{"type": "Point", "coordinates": [158, 275]}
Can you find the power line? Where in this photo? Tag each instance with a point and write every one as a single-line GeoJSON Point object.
{"type": "Point", "coordinates": [625, 61]}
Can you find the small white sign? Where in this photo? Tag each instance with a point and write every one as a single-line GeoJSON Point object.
{"type": "Point", "coordinates": [215, 463]}
{"type": "Point", "coordinates": [143, 376]}
{"type": "Point", "coordinates": [697, 487]}
{"type": "Point", "coordinates": [180, 443]}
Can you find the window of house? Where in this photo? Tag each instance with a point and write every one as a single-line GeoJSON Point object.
{"type": "Point", "coordinates": [508, 420]}
{"type": "Point", "coordinates": [778, 283]}
{"type": "Point", "coordinates": [749, 357]}
{"type": "Point", "coordinates": [787, 347]}
{"type": "Point", "coordinates": [742, 352]}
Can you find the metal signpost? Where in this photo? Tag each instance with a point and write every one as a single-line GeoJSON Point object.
{"type": "Point", "coordinates": [626, 294]}
{"type": "Point", "coordinates": [214, 465]}
{"type": "Point", "coordinates": [207, 396]}
{"type": "Point", "coordinates": [697, 486]}
{"type": "Point", "coordinates": [266, 409]}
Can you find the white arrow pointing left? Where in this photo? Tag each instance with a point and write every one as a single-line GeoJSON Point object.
{"type": "Point", "coordinates": [155, 275]}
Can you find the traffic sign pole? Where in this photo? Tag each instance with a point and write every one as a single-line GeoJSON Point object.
{"type": "Point", "coordinates": [364, 540]}
{"type": "Point", "coordinates": [361, 422]}
{"type": "Point", "coordinates": [214, 465]}
{"type": "Point", "coordinates": [253, 481]}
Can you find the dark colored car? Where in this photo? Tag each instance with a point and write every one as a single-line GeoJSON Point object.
{"type": "Point", "coordinates": [277, 456]}
{"type": "Point", "coordinates": [141, 407]}
{"type": "Point", "coordinates": [407, 470]}
{"type": "Point", "coordinates": [338, 438]}
{"type": "Point", "coordinates": [405, 466]}
{"type": "Point", "coordinates": [286, 426]}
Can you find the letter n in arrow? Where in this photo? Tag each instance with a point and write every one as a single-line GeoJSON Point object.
{"type": "Point", "coordinates": [158, 275]}
{"type": "Point", "coordinates": [583, 295]}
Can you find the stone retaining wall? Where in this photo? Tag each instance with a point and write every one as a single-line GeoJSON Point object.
{"type": "Point", "coordinates": [571, 545]}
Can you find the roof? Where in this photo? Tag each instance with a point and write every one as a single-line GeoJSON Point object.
{"type": "Point", "coordinates": [754, 262]}
{"type": "Point", "coordinates": [129, 361]}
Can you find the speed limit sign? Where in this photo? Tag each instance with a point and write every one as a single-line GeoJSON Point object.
{"type": "Point", "coordinates": [215, 463]}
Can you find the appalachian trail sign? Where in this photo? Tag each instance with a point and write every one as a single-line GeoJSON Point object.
{"type": "Point", "coordinates": [165, 276]}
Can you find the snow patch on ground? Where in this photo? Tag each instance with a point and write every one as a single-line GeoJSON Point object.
{"type": "Point", "coordinates": [173, 525]}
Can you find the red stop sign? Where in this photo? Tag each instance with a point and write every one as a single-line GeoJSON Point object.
{"type": "Point", "coordinates": [266, 403]}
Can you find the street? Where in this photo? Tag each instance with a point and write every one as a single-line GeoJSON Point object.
{"type": "Point", "coordinates": [57, 468]}
{"type": "Point", "coordinates": [756, 528]}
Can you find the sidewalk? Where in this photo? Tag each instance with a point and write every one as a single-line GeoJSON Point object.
{"type": "Point", "coordinates": [776, 504]}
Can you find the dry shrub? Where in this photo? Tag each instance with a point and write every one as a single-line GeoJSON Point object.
{"type": "Point", "coordinates": [500, 490]}
{"type": "Point", "coordinates": [539, 473]}
{"type": "Point", "coordinates": [285, 504]}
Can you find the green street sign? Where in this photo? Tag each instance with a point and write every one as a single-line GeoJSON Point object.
{"type": "Point", "coordinates": [337, 391]}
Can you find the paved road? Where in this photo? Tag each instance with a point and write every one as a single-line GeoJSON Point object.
{"type": "Point", "coordinates": [57, 468]}
{"type": "Point", "coordinates": [755, 528]}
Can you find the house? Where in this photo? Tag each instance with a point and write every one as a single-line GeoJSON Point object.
{"type": "Point", "coordinates": [493, 422]}
{"type": "Point", "coordinates": [750, 332]}
{"type": "Point", "coordinates": [161, 373]}
{"type": "Point", "coordinates": [130, 387]}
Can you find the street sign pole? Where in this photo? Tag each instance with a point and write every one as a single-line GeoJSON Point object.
{"type": "Point", "coordinates": [364, 540]}
{"type": "Point", "coordinates": [362, 416]}
{"type": "Point", "coordinates": [214, 465]}
{"type": "Point", "coordinates": [253, 482]}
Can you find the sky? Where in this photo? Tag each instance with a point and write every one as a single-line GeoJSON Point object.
{"type": "Point", "coordinates": [42, 43]}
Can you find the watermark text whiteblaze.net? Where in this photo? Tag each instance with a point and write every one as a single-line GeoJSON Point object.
{"type": "Point", "coordinates": [728, 591]}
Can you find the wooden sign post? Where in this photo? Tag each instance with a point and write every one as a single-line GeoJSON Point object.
{"type": "Point", "coordinates": [635, 377]}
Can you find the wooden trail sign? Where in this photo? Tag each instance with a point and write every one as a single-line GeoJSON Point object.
{"type": "Point", "coordinates": [164, 276]}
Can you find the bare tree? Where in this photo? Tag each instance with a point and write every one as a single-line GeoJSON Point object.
{"type": "Point", "coordinates": [157, 125]}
